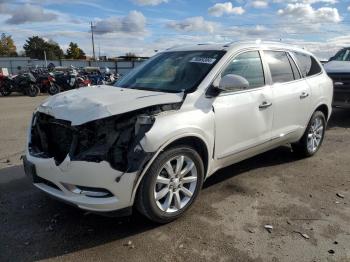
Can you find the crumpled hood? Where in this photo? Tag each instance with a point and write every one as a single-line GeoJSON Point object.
{"type": "Point", "coordinates": [91, 103]}
{"type": "Point", "coordinates": [337, 67]}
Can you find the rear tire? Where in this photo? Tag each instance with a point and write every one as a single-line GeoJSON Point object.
{"type": "Point", "coordinates": [171, 184]}
{"type": "Point", "coordinates": [33, 90]}
{"type": "Point", "coordinates": [54, 89]}
{"type": "Point", "coordinates": [313, 137]}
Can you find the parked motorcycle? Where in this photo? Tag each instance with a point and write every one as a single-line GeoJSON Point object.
{"type": "Point", "coordinates": [2, 77]}
{"type": "Point", "coordinates": [98, 77]}
{"type": "Point", "coordinates": [46, 82]}
{"type": "Point", "coordinates": [23, 83]}
{"type": "Point", "coordinates": [71, 80]}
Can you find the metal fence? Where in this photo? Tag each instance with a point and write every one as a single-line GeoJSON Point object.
{"type": "Point", "coordinates": [14, 63]}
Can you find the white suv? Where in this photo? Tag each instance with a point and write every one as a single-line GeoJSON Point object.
{"type": "Point", "coordinates": [151, 140]}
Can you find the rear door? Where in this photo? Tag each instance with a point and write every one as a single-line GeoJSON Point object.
{"type": "Point", "coordinates": [291, 95]}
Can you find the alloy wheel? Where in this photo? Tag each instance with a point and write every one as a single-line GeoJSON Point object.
{"type": "Point", "coordinates": [315, 134]}
{"type": "Point", "coordinates": [175, 184]}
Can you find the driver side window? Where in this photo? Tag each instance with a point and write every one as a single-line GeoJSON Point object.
{"type": "Point", "coordinates": [249, 66]}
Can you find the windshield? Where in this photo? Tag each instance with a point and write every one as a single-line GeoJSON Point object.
{"type": "Point", "coordinates": [342, 55]}
{"type": "Point", "coordinates": [172, 71]}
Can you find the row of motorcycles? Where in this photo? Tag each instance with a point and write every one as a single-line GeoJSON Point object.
{"type": "Point", "coordinates": [36, 81]}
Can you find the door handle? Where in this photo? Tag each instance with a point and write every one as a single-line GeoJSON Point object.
{"type": "Point", "coordinates": [304, 95]}
{"type": "Point", "coordinates": [265, 105]}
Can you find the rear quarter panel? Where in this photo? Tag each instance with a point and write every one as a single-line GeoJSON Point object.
{"type": "Point", "coordinates": [321, 91]}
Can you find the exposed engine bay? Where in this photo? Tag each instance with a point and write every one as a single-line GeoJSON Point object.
{"type": "Point", "coordinates": [114, 139]}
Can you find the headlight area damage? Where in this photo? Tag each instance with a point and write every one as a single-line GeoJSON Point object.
{"type": "Point", "coordinates": [114, 139]}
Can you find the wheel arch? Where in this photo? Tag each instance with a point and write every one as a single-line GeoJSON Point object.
{"type": "Point", "coordinates": [194, 140]}
{"type": "Point", "coordinates": [324, 109]}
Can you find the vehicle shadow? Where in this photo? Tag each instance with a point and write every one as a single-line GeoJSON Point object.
{"type": "Point", "coordinates": [340, 118]}
{"type": "Point", "coordinates": [34, 226]}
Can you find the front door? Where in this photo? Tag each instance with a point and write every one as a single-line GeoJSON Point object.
{"type": "Point", "coordinates": [243, 118]}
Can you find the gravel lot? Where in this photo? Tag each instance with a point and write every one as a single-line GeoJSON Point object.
{"type": "Point", "coordinates": [226, 223]}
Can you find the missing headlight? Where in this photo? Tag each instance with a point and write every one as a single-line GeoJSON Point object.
{"type": "Point", "coordinates": [114, 139]}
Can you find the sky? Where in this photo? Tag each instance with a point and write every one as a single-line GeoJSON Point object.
{"type": "Point", "coordinates": [143, 26]}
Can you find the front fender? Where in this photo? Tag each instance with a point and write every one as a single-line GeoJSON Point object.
{"type": "Point", "coordinates": [169, 125]}
{"type": "Point", "coordinates": [170, 128]}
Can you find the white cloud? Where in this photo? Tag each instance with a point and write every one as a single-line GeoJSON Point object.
{"type": "Point", "coordinates": [220, 9]}
{"type": "Point", "coordinates": [348, 8]}
{"type": "Point", "coordinates": [332, 2]}
{"type": "Point", "coordinates": [149, 2]}
{"type": "Point", "coordinates": [251, 32]}
{"type": "Point", "coordinates": [27, 14]}
{"type": "Point", "coordinates": [134, 22]}
{"type": "Point", "coordinates": [193, 24]}
{"type": "Point", "coordinates": [306, 13]}
{"type": "Point", "coordinates": [3, 8]}
{"type": "Point", "coordinates": [260, 4]}
{"type": "Point", "coordinates": [323, 50]}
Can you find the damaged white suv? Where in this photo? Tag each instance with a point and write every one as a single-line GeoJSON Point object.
{"type": "Point", "coordinates": [151, 140]}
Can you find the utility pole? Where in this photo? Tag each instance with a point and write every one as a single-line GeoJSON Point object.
{"type": "Point", "coordinates": [93, 42]}
{"type": "Point", "coordinates": [45, 58]}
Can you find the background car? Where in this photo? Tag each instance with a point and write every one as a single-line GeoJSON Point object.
{"type": "Point", "coordinates": [338, 68]}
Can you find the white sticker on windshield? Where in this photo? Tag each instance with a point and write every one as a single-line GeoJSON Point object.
{"type": "Point", "coordinates": [203, 60]}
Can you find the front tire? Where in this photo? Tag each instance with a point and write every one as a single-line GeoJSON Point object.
{"type": "Point", "coordinates": [313, 137]}
{"type": "Point", "coordinates": [5, 90]}
{"type": "Point", "coordinates": [171, 184]}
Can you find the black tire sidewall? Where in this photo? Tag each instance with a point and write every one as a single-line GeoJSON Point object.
{"type": "Point", "coordinates": [5, 90]}
{"type": "Point", "coordinates": [147, 199]}
{"type": "Point", "coordinates": [54, 87]}
{"type": "Point", "coordinates": [33, 90]}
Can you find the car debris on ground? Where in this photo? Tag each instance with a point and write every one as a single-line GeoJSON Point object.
{"type": "Point", "coordinates": [340, 195]}
{"type": "Point", "coordinates": [268, 228]}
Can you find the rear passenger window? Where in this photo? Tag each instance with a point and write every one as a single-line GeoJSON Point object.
{"type": "Point", "coordinates": [280, 67]}
{"type": "Point", "coordinates": [307, 64]}
{"type": "Point", "coordinates": [249, 66]}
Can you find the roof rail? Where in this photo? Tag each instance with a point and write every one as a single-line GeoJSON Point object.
{"type": "Point", "coordinates": [174, 46]}
{"type": "Point", "coordinates": [257, 41]}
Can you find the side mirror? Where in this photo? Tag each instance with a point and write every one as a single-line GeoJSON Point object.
{"type": "Point", "coordinates": [233, 82]}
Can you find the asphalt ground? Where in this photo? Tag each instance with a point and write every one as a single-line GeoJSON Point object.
{"type": "Point", "coordinates": [297, 197]}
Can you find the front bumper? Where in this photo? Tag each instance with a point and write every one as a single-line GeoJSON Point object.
{"type": "Point", "coordinates": [62, 182]}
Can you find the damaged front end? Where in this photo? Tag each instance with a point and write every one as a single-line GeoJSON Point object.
{"type": "Point", "coordinates": [114, 139]}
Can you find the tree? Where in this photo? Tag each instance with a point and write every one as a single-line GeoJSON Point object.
{"type": "Point", "coordinates": [130, 56]}
{"type": "Point", "coordinates": [35, 47]}
{"type": "Point", "coordinates": [7, 46]}
{"type": "Point", "coordinates": [75, 52]}
{"type": "Point", "coordinates": [53, 50]}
